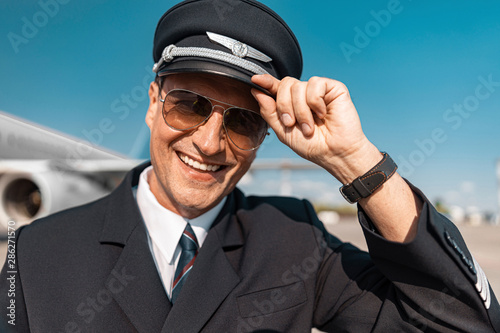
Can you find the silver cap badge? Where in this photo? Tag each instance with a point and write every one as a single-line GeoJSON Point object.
{"type": "Point", "coordinates": [238, 48]}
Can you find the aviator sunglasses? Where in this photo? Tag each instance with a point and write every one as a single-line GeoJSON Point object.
{"type": "Point", "coordinates": [185, 110]}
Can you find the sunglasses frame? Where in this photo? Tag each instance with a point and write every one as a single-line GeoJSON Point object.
{"type": "Point", "coordinates": [211, 112]}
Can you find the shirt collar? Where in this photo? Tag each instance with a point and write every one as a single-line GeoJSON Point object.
{"type": "Point", "coordinates": [165, 227]}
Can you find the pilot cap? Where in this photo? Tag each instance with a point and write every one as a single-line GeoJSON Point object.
{"type": "Point", "coordinates": [233, 38]}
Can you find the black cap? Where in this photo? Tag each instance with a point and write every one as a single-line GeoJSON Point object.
{"type": "Point", "coordinates": [234, 38]}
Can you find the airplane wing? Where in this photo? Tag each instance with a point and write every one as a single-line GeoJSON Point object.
{"type": "Point", "coordinates": [43, 171]}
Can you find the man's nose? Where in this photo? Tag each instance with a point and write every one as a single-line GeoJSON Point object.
{"type": "Point", "coordinates": [210, 137]}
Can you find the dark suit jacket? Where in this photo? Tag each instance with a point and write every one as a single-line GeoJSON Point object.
{"type": "Point", "coordinates": [267, 265]}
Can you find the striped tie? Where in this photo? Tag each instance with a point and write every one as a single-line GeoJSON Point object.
{"type": "Point", "coordinates": [189, 246]}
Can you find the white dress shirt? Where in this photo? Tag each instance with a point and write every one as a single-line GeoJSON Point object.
{"type": "Point", "coordinates": [165, 229]}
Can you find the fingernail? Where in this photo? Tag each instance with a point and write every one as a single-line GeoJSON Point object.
{"type": "Point", "coordinates": [286, 119]}
{"type": "Point", "coordinates": [306, 129]}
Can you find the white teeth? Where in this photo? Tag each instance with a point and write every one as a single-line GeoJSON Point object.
{"type": "Point", "coordinates": [198, 165]}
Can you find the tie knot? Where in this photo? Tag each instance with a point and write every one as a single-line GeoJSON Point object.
{"type": "Point", "coordinates": [188, 240]}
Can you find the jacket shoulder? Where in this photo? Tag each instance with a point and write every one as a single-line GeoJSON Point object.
{"type": "Point", "coordinates": [78, 221]}
{"type": "Point", "coordinates": [86, 219]}
{"type": "Point", "coordinates": [299, 210]}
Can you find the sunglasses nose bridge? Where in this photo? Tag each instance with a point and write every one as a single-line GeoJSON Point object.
{"type": "Point", "coordinates": [217, 106]}
{"type": "Point", "coordinates": [223, 112]}
{"type": "Point", "coordinates": [211, 135]}
{"type": "Point", "coordinates": [211, 115]}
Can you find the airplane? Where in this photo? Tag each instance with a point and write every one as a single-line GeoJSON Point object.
{"type": "Point", "coordinates": [43, 171]}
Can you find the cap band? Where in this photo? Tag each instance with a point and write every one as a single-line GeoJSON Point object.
{"type": "Point", "coordinates": [172, 51]}
{"type": "Point", "coordinates": [239, 50]}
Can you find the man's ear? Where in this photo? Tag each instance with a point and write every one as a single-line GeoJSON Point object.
{"type": "Point", "coordinates": [154, 104]}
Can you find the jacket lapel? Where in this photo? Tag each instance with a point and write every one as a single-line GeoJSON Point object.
{"type": "Point", "coordinates": [134, 281]}
{"type": "Point", "coordinates": [143, 298]}
{"type": "Point", "coordinates": [212, 277]}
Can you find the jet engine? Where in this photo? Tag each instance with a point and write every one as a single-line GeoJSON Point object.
{"type": "Point", "coordinates": [25, 197]}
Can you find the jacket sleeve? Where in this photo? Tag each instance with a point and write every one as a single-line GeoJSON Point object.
{"type": "Point", "coordinates": [13, 316]}
{"type": "Point", "coordinates": [431, 284]}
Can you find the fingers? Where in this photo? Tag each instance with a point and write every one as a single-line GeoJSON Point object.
{"type": "Point", "coordinates": [315, 94]}
{"type": "Point", "coordinates": [296, 102]}
{"type": "Point", "coordinates": [268, 82]}
{"type": "Point", "coordinates": [301, 110]}
{"type": "Point", "coordinates": [267, 103]}
{"type": "Point", "coordinates": [284, 102]}
{"type": "Point", "coordinates": [267, 106]}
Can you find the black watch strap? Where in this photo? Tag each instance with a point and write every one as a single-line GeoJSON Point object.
{"type": "Point", "coordinates": [365, 185]}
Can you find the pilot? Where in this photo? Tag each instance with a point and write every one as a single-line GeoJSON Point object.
{"type": "Point", "coordinates": [178, 248]}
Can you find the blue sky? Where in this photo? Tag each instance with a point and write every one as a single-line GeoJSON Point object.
{"type": "Point", "coordinates": [424, 76]}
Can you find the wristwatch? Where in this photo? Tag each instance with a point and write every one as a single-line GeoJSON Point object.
{"type": "Point", "coordinates": [365, 185]}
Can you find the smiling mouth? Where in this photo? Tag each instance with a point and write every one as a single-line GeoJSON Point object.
{"type": "Point", "coordinates": [198, 165]}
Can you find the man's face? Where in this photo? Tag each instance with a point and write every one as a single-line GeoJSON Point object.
{"type": "Point", "coordinates": [178, 181]}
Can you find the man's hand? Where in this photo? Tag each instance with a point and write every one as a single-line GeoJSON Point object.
{"type": "Point", "coordinates": [318, 121]}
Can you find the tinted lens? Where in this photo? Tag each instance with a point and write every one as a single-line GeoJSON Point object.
{"type": "Point", "coordinates": [183, 109]}
{"type": "Point", "coordinates": [245, 128]}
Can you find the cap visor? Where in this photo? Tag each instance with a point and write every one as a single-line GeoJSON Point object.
{"type": "Point", "coordinates": [210, 67]}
